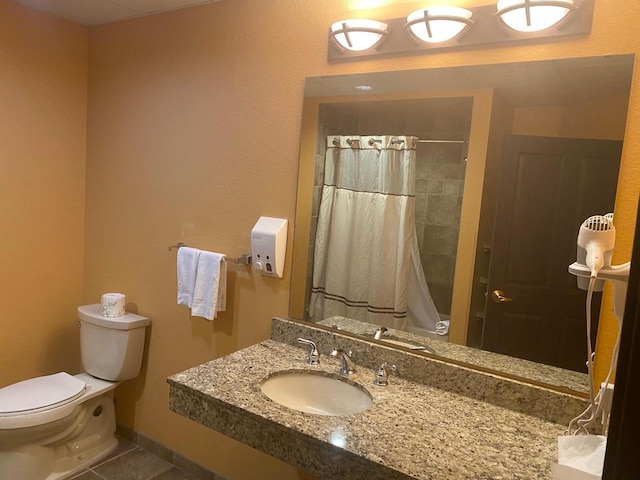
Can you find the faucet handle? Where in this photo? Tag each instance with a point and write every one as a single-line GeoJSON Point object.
{"type": "Point", "coordinates": [382, 374]}
{"type": "Point", "coordinates": [314, 354]}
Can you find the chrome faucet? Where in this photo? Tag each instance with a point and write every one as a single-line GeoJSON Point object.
{"type": "Point", "coordinates": [314, 354]}
{"type": "Point", "coordinates": [382, 374]}
{"type": "Point", "coordinates": [347, 366]}
{"type": "Point", "coordinates": [379, 332]}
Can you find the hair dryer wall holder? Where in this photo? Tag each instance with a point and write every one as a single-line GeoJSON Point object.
{"type": "Point", "coordinates": [618, 275]}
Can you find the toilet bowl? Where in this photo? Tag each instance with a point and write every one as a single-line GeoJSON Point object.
{"type": "Point", "coordinates": [56, 425]}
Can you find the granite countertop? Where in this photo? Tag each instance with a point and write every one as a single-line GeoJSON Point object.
{"type": "Point", "coordinates": [412, 430]}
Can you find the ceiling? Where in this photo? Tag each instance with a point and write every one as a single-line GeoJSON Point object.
{"type": "Point", "coordinates": [550, 82]}
{"type": "Point", "coordinates": [98, 12]}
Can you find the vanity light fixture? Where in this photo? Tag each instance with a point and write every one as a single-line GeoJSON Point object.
{"type": "Point", "coordinates": [438, 24]}
{"type": "Point", "coordinates": [533, 15]}
{"type": "Point", "coordinates": [359, 34]}
{"type": "Point", "coordinates": [446, 27]}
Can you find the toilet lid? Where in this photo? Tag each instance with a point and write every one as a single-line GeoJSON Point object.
{"type": "Point", "coordinates": [40, 392]}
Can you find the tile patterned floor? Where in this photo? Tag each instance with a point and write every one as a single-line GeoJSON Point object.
{"type": "Point", "coordinates": [130, 462]}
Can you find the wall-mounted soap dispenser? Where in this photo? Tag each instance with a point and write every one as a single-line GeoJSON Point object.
{"type": "Point", "coordinates": [269, 245]}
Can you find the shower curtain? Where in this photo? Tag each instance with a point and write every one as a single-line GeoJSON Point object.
{"type": "Point", "coordinates": [366, 262]}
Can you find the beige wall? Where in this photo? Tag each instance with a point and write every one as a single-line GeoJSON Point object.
{"type": "Point", "coordinates": [43, 92]}
{"type": "Point", "coordinates": [603, 119]}
{"type": "Point", "coordinates": [193, 133]}
{"type": "Point", "coordinates": [194, 130]}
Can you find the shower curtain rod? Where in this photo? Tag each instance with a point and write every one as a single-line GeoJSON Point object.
{"type": "Point", "coordinates": [432, 141]}
{"type": "Point", "coordinates": [373, 141]}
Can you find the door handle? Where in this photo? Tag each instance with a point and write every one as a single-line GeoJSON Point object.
{"type": "Point", "coordinates": [498, 296]}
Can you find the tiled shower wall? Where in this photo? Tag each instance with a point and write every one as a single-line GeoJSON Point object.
{"type": "Point", "coordinates": [440, 170]}
{"type": "Point", "coordinates": [439, 187]}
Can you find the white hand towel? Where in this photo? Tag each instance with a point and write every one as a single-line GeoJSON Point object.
{"type": "Point", "coordinates": [187, 267]}
{"type": "Point", "coordinates": [210, 296]}
{"type": "Point", "coordinates": [442, 327]}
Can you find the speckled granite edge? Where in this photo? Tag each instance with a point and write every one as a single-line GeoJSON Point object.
{"type": "Point", "coordinates": [537, 401]}
{"type": "Point", "coordinates": [411, 430]}
{"type": "Point", "coordinates": [286, 444]}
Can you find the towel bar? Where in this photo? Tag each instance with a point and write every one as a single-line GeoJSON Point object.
{"type": "Point", "coordinates": [245, 259]}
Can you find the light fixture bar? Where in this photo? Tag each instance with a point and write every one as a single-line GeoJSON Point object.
{"type": "Point", "coordinates": [483, 30]}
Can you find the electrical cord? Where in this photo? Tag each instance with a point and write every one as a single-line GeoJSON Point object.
{"type": "Point", "coordinates": [579, 424]}
{"type": "Point", "coordinates": [612, 367]}
{"type": "Point", "coordinates": [592, 283]}
{"type": "Point", "coordinates": [582, 423]}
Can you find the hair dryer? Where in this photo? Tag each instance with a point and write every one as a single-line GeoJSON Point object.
{"type": "Point", "coordinates": [596, 239]}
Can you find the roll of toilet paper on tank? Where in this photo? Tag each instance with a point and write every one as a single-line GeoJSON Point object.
{"type": "Point", "coordinates": [113, 305]}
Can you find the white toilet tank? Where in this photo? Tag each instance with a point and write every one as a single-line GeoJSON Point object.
{"type": "Point", "coordinates": [111, 348]}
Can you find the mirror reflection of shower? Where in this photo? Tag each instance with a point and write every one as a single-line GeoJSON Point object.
{"type": "Point", "coordinates": [442, 129]}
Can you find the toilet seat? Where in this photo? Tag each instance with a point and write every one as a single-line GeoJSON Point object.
{"type": "Point", "coordinates": [40, 393]}
{"type": "Point", "coordinates": [93, 387]}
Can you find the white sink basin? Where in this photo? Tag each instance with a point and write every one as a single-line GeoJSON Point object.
{"type": "Point", "coordinates": [315, 393]}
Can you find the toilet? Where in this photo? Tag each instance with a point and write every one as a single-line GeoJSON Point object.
{"type": "Point", "coordinates": [56, 425]}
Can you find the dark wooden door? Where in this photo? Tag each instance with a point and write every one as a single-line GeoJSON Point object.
{"type": "Point", "coordinates": [548, 187]}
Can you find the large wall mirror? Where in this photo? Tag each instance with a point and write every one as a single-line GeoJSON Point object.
{"type": "Point", "coordinates": [507, 160]}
